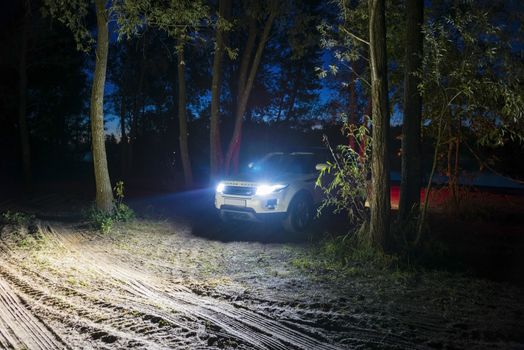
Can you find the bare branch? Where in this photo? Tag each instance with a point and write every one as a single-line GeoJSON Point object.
{"type": "Point", "coordinates": [354, 36]}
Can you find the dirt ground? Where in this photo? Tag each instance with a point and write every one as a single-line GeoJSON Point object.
{"type": "Point", "coordinates": [154, 284]}
{"type": "Point", "coordinates": [180, 280]}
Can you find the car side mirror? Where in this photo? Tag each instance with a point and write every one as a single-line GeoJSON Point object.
{"type": "Point", "coordinates": [321, 166]}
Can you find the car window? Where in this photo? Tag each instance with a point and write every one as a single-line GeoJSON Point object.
{"type": "Point", "coordinates": [286, 163]}
{"type": "Point", "coordinates": [300, 163]}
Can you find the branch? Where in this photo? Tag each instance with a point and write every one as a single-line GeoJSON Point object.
{"type": "Point", "coordinates": [485, 164]}
{"type": "Point", "coordinates": [359, 76]}
{"type": "Point", "coordinates": [354, 36]}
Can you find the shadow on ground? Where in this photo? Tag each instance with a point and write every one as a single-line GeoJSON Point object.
{"type": "Point", "coordinates": [196, 210]}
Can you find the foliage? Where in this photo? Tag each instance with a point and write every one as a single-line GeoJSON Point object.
{"type": "Point", "coordinates": [344, 181]}
{"type": "Point", "coordinates": [471, 87]}
{"type": "Point", "coordinates": [104, 221]}
{"type": "Point", "coordinates": [181, 19]}
{"type": "Point", "coordinates": [17, 218]}
{"type": "Point", "coordinates": [122, 212]}
{"type": "Point", "coordinates": [73, 14]}
{"type": "Point", "coordinates": [347, 254]}
{"type": "Point", "coordinates": [23, 230]}
{"type": "Point", "coordinates": [346, 40]}
{"type": "Point", "coordinates": [468, 72]}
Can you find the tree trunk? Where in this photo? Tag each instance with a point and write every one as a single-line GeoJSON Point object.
{"type": "Point", "coordinates": [104, 194]}
{"type": "Point", "coordinates": [137, 106]}
{"type": "Point", "coordinates": [123, 137]}
{"type": "Point", "coordinates": [291, 107]}
{"type": "Point", "coordinates": [411, 129]}
{"type": "Point", "coordinates": [353, 107]}
{"type": "Point", "coordinates": [246, 58]}
{"type": "Point", "coordinates": [224, 9]}
{"type": "Point", "coordinates": [454, 185]}
{"type": "Point", "coordinates": [245, 89]}
{"type": "Point", "coordinates": [380, 196]}
{"type": "Point", "coordinates": [22, 100]}
{"type": "Point", "coordinates": [280, 107]}
{"type": "Point", "coordinates": [182, 118]}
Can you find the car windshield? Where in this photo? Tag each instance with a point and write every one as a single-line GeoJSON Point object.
{"type": "Point", "coordinates": [295, 163]}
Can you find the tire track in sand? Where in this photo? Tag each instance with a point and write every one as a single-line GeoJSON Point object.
{"type": "Point", "coordinates": [19, 328]}
{"type": "Point", "coordinates": [248, 327]}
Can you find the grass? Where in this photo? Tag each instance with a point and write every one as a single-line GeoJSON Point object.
{"type": "Point", "coordinates": [20, 228]}
{"type": "Point", "coordinates": [343, 254]}
{"type": "Point", "coordinates": [17, 218]}
{"type": "Point", "coordinates": [105, 222]}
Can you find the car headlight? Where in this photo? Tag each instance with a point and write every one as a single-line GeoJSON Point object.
{"type": "Point", "coordinates": [264, 189]}
{"type": "Point", "coordinates": [220, 187]}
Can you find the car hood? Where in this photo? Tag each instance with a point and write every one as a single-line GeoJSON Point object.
{"type": "Point", "coordinates": [262, 178]}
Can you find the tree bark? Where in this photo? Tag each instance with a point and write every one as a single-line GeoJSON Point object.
{"type": "Point", "coordinates": [138, 105]}
{"type": "Point", "coordinates": [224, 9]}
{"type": "Point", "coordinates": [245, 89]}
{"type": "Point", "coordinates": [123, 137]}
{"type": "Point", "coordinates": [22, 100]}
{"type": "Point", "coordinates": [182, 118]}
{"type": "Point", "coordinates": [246, 58]}
{"type": "Point", "coordinates": [411, 129]}
{"type": "Point", "coordinates": [353, 104]}
{"type": "Point", "coordinates": [291, 107]}
{"type": "Point", "coordinates": [380, 195]}
{"type": "Point", "coordinates": [280, 107]}
{"type": "Point", "coordinates": [104, 194]}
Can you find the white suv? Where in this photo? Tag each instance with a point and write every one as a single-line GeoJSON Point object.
{"type": "Point", "coordinates": [280, 185]}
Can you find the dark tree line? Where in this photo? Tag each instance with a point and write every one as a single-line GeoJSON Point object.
{"type": "Point", "coordinates": [197, 84]}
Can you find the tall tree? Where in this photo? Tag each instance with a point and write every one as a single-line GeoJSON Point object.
{"type": "Point", "coordinates": [180, 20]}
{"type": "Point", "coordinates": [214, 125]}
{"type": "Point", "coordinates": [22, 96]}
{"type": "Point", "coordinates": [73, 14]}
{"type": "Point", "coordinates": [104, 194]}
{"type": "Point", "coordinates": [182, 117]}
{"type": "Point", "coordinates": [248, 71]}
{"type": "Point", "coordinates": [380, 196]}
{"type": "Point", "coordinates": [411, 127]}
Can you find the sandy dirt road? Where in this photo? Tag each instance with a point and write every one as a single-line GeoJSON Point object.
{"type": "Point", "coordinates": [187, 282]}
{"type": "Point", "coordinates": [104, 298]}
{"type": "Point", "coordinates": [150, 286]}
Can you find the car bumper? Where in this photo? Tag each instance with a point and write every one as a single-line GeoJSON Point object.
{"type": "Point", "coordinates": [255, 208]}
{"type": "Point", "coordinates": [248, 214]}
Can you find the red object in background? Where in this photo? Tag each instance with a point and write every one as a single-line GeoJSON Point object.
{"type": "Point", "coordinates": [395, 196]}
{"type": "Point", "coordinates": [435, 198]}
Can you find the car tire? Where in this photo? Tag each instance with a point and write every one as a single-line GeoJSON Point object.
{"type": "Point", "coordinates": [224, 218]}
{"type": "Point", "coordinates": [299, 214]}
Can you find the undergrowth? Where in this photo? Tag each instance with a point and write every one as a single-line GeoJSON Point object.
{"type": "Point", "coordinates": [104, 221]}
{"type": "Point", "coordinates": [20, 229]}
{"type": "Point", "coordinates": [350, 255]}
{"type": "Point", "coordinates": [16, 218]}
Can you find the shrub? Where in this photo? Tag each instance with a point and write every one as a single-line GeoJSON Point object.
{"type": "Point", "coordinates": [17, 218]}
{"type": "Point", "coordinates": [344, 180]}
{"type": "Point", "coordinates": [122, 213]}
{"type": "Point", "coordinates": [104, 221]}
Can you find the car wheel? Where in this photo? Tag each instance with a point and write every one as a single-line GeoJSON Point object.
{"type": "Point", "coordinates": [299, 214]}
{"type": "Point", "coordinates": [224, 218]}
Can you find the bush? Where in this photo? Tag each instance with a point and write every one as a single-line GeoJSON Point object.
{"type": "Point", "coordinates": [104, 221]}
{"type": "Point", "coordinates": [17, 218]}
{"type": "Point", "coordinates": [347, 255]}
{"type": "Point", "coordinates": [344, 180]}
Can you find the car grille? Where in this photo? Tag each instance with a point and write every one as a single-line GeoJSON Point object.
{"type": "Point", "coordinates": [239, 190]}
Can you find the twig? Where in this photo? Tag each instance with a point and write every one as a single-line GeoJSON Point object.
{"type": "Point", "coordinates": [484, 164]}
{"type": "Point", "coordinates": [354, 36]}
{"type": "Point", "coordinates": [433, 167]}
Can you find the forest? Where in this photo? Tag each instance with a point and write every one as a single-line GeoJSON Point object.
{"type": "Point", "coordinates": [132, 213]}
